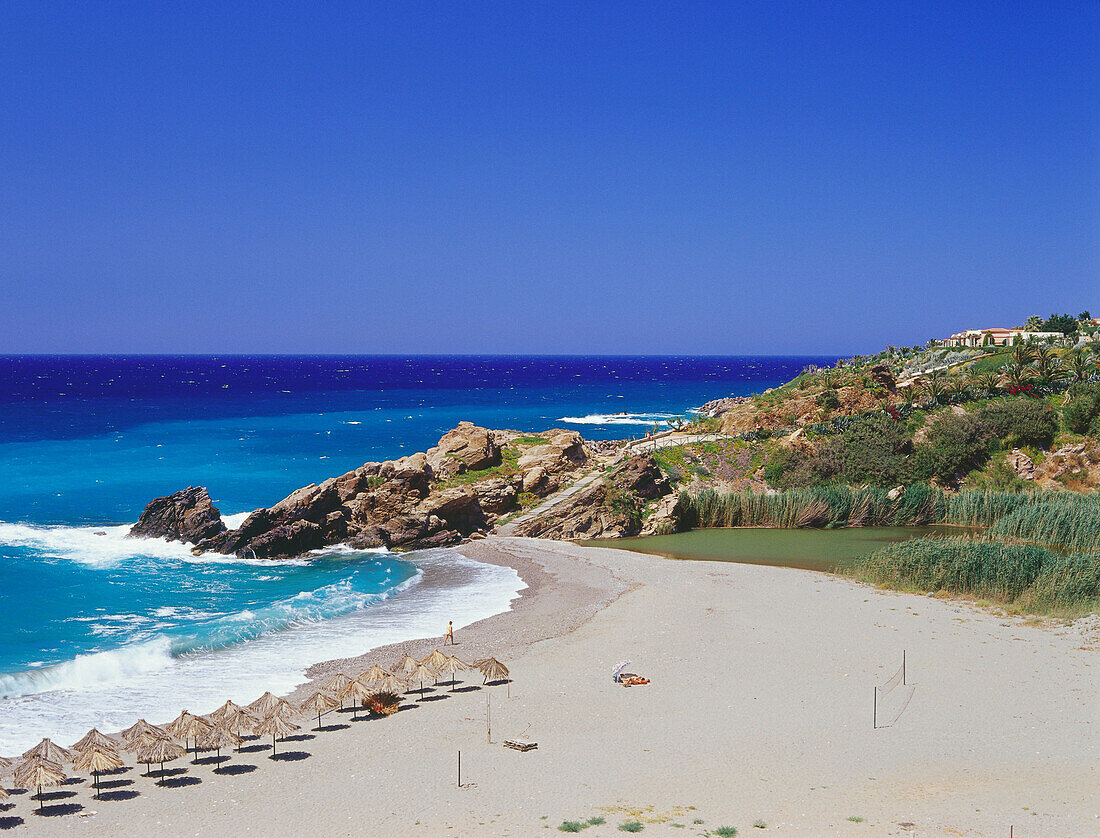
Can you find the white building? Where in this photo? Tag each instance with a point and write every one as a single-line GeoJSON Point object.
{"type": "Point", "coordinates": [997, 337]}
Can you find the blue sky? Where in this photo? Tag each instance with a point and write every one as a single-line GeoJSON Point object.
{"type": "Point", "coordinates": [727, 178]}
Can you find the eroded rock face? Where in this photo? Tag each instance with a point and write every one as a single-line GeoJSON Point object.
{"type": "Point", "coordinates": [188, 515]}
{"type": "Point", "coordinates": [609, 508]}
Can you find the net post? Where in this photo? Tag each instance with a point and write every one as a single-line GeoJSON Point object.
{"type": "Point", "coordinates": [903, 667]}
{"type": "Point", "coordinates": [874, 717]}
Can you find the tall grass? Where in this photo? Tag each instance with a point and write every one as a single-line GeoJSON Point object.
{"type": "Point", "coordinates": [1027, 576]}
{"type": "Point", "coordinates": [1066, 520]}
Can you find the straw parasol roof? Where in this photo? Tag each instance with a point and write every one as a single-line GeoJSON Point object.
{"type": "Point", "coordinates": [435, 659]}
{"type": "Point", "coordinates": [37, 772]}
{"type": "Point", "coordinates": [391, 684]}
{"type": "Point", "coordinates": [375, 673]}
{"type": "Point", "coordinates": [93, 738]}
{"type": "Point", "coordinates": [422, 672]}
{"type": "Point", "coordinates": [95, 760]}
{"type": "Point", "coordinates": [188, 726]}
{"type": "Point", "coordinates": [141, 728]}
{"type": "Point", "coordinates": [336, 684]}
{"type": "Point", "coordinates": [277, 726]}
{"type": "Point", "coordinates": [156, 749]}
{"type": "Point", "coordinates": [267, 702]}
{"type": "Point", "coordinates": [407, 666]}
{"type": "Point", "coordinates": [4, 793]}
{"type": "Point", "coordinates": [5, 766]}
{"type": "Point", "coordinates": [356, 691]}
{"type": "Point", "coordinates": [320, 703]}
{"type": "Point", "coordinates": [453, 665]}
{"type": "Point", "coordinates": [49, 751]}
{"type": "Point", "coordinates": [227, 712]}
{"type": "Point", "coordinates": [492, 669]}
{"type": "Point", "coordinates": [217, 737]}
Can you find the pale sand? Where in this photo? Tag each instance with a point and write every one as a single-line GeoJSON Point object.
{"type": "Point", "coordinates": [759, 708]}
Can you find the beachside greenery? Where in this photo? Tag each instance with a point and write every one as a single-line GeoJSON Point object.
{"type": "Point", "coordinates": [1027, 577]}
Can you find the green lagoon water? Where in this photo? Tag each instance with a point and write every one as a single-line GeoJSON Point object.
{"type": "Point", "coordinates": [808, 549]}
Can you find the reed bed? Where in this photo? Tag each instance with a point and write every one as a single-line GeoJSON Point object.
{"type": "Point", "coordinates": [1025, 576]}
{"type": "Point", "coordinates": [1064, 520]}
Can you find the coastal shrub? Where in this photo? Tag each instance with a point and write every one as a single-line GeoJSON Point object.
{"type": "Point", "coordinates": [1082, 414]}
{"type": "Point", "coordinates": [874, 450]}
{"type": "Point", "coordinates": [956, 445]}
{"type": "Point", "coordinates": [828, 399]}
{"type": "Point", "coordinates": [1021, 421]}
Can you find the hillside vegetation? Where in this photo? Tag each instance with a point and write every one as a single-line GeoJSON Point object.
{"type": "Point", "coordinates": [1005, 438]}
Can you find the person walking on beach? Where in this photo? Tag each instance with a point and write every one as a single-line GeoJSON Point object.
{"type": "Point", "coordinates": [450, 633]}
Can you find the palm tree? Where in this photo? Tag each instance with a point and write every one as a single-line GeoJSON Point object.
{"type": "Point", "coordinates": [1080, 365]}
{"type": "Point", "coordinates": [958, 385]}
{"type": "Point", "coordinates": [1051, 373]}
{"type": "Point", "coordinates": [1016, 373]}
{"type": "Point", "coordinates": [985, 381]}
{"type": "Point", "coordinates": [1023, 354]}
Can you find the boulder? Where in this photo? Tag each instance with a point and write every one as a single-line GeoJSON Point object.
{"type": "Point", "coordinates": [465, 448]}
{"type": "Point", "coordinates": [563, 451]}
{"type": "Point", "coordinates": [286, 541]}
{"type": "Point", "coordinates": [497, 496]}
{"type": "Point", "coordinates": [1021, 463]}
{"type": "Point", "coordinates": [188, 515]}
{"type": "Point", "coordinates": [881, 375]}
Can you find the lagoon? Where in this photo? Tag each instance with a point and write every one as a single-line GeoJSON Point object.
{"type": "Point", "coordinates": [806, 549]}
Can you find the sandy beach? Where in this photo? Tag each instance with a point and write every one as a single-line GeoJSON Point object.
{"type": "Point", "coordinates": [759, 712]}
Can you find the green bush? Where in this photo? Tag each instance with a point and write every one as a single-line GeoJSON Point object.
{"type": "Point", "coordinates": [1082, 412]}
{"type": "Point", "coordinates": [828, 399]}
{"type": "Point", "coordinates": [956, 444]}
{"type": "Point", "coordinates": [1021, 421]}
{"type": "Point", "coordinates": [873, 449]}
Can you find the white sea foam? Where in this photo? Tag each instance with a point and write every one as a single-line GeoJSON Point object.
{"type": "Point", "coordinates": [89, 545]}
{"type": "Point", "coordinates": [617, 419]}
{"type": "Point", "coordinates": [111, 689]}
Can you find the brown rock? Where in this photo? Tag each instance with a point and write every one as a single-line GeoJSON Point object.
{"type": "Point", "coordinates": [188, 515]}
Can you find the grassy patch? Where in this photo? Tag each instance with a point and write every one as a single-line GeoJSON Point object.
{"type": "Point", "coordinates": [631, 826]}
{"type": "Point", "coordinates": [571, 826]}
{"type": "Point", "coordinates": [855, 818]}
{"type": "Point", "coordinates": [725, 832]}
{"type": "Point", "coordinates": [529, 440]}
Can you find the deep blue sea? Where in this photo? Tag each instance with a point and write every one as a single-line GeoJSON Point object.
{"type": "Point", "coordinates": [99, 629]}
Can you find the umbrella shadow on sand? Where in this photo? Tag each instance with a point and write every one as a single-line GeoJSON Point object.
{"type": "Point", "coordinates": [251, 749]}
{"type": "Point", "coordinates": [471, 688]}
{"type": "Point", "coordinates": [115, 784]}
{"type": "Point", "coordinates": [439, 697]}
{"type": "Point", "coordinates": [331, 728]}
{"type": "Point", "coordinates": [11, 822]}
{"type": "Point", "coordinates": [235, 769]}
{"type": "Point", "coordinates": [55, 795]}
{"type": "Point", "coordinates": [59, 809]}
{"type": "Point", "coordinates": [298, 737]}
{"type": "Point", "coordinates": [179, 782]}
{"type": "Point", "coordinates": [119, 794]}
{"type": "Point", "coordinates": [290, 756]}
{"type": "Point", "coordinates": [211, 760]}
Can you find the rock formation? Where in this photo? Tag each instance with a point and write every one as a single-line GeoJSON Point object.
{"type": "Point", "coordinates": [188, 515]}
{"type": "Point", "coordinates": [609, 508]}
{"type": "Point", "coordinates": [414, 502]}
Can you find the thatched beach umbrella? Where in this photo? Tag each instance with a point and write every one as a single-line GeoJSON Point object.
{"type": "Point", "coordinates": [139, 729]}
{"type": "Point", "coordinates": [50, 751]}
{"type": "Point", "coordinates": [422, 672]}
{"type": "Point", "coordinates": [492, 669]}
{"type": "Point", "coordinates": [356, 691]}
{"type": "Point", "coordinates": [320, 703]}
{"type": "Point", "coordinates": [436, 660]}
{"type": "Point", "coordinates": [160, 750]}
{"type": "Point", "coordinates": [407, 666]}
{"type": "Point", "coordinates": [37, 772]}
{"type": "Point", "coordinates": [453, 665]}
{"type": "Point", "coordinates": [375, 674]}
{"type": "Point", "coordinates": [93, 738]}
{"type": "Point", "coordinates": [96, 759]}
{"type": "Point", "coordinates": [5, 767]}
{"type": "Point", "coordinates": [227, 711]}
{"type": "Point", "coordinates": [188, 726]}
{"type": "Point", "coordinates": [4, 793]}
{"type": "Point", "coordinates": [217, 737]}
{"type": "Point", "coordinates": [391, 684]}
{"type": "Point", "coordinates": [267, 702]}
{"type": "Point", "coordinates": [336, 684]}
{"type": "Point", "coordinates": [277, 726]}
{"type": "Point", "coordinates": [234, 718]}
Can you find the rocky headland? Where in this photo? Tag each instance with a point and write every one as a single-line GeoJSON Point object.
{"type": "Point", "coordinates": [456, 490]}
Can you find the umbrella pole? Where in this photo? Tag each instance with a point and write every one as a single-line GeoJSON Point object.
{"type": "Point", "coordinates": [95, 781]}
{"type": "Point", "coordinates": [273, 744]}
{"type": "Point", "coordinates": [40, 799]}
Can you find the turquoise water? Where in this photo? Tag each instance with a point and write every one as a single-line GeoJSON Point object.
{"type": "Point", "coordinates": [98, 627]}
